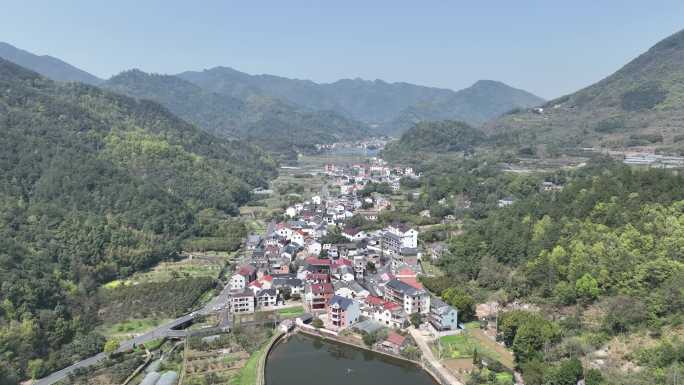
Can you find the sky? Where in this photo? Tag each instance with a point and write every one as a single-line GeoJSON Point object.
{"type": "Point", "coordinates": [550, 48]}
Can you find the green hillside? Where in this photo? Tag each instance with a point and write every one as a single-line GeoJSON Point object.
{"type": "Point", "coordinates": [428, 138]}
{"type": "Point", "coordinates": [45, 65]}
{"type": "Point", "coordinates": [641, 105]}
{"type": "Point", "coordinates": [264, 121]}
{"type": "Point", "coordinates": [95, 186]}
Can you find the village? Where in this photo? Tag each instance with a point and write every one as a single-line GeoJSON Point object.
{"type": "Point", "coordinates": [349, 281]}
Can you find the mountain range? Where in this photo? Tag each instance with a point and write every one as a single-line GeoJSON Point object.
{"type": "Point", "coordinates": [47, 66]}
{"type": "Point", "coordinates": [640, 105]}
{"type": "Point", "coordinates": [269, 122]}
{"type": "Point", "coordinates": [392, 107]}
{"type": "Point", "coordinates": [283, 113]}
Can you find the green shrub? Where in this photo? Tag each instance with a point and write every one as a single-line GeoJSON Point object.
{"type": "Point", "coordinates": [643, 97]}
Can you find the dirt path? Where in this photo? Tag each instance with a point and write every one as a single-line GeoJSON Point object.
{"type": "Point", "coordinates": [422, 342]}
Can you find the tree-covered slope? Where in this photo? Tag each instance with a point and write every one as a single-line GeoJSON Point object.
{"type": "Point", "coordinates": [45, 65]}
{"type": "Point", "coordinates": [265, 121]}
{"type": "Point", "coordinates": [642, 104]}
{"type": "Point", "coordinates": [477, 104]}
{"type": "Point", "coordinates": [95, 186]}
{"type": "Point", "coordinates": [427, 138]}
{"type": "Point", "coordinates": [392, 106]}
{"type": "Point", "coordinates": [601, 259]}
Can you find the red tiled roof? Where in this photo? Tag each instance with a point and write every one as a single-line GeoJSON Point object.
{"type": "Point", "coordinates": [373, 300]}
{"type": "Point", "coordinates": [412, 282]}
{"type": "Point", "coordinates": [267, 278]}
{"type": "Point", "coordinates": [390, 305]}
{"type": "Point", "coordinates": [318, 261]}
{"type": "Point", "coordinates": [406, 272]}
{"type": "Point", "coordinates": [246, 270]}
{"type": "Point", "coordinates": [255, 284]}
{"type": "Point", "coordinates": [395, 339]}
{"type": "Point", "coordinates": [320, 277]}
{"type": "Point", "coordinates": [322, 288]}
{"type": "Point", "coordinates": [343, 262]}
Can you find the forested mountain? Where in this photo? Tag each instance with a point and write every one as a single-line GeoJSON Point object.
{"type": "Point", "coordinates": [600, 257]}
{"type": "Point", "coordinates": [392, 106]}
{"type": "Point", "coordinates": [427, 138]}
{"type": "Point", "coordinates": [263, 120]}
{"type": "Point", "coordinates": [642, 104]}
{"type": "Point", "coordinates": [45, 65]}
{"type": "Point", "coordinates": [477, 104]}
{"type": "Point", "coordinates": [95, 186]}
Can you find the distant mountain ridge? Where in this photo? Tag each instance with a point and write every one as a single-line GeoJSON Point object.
{"type": "Point", "coordinates": [641, 104]}
{"type": "Point", "coordinates": [392, 106]}
{"type": "Point", "coordinates": [46, 65]}
{"type": "Point", "coordinates": [266, 121]}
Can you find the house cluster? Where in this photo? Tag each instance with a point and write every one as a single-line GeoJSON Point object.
{"type": "Point", "coordinates": [362, 276]}
{"type": "Point", "coordinates": [354, 177]}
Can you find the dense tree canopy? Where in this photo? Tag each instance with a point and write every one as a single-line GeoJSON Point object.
{"type": "Point", "coordinates": [95, 186]}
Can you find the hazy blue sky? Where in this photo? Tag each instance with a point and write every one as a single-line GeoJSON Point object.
{"type": "Point", "coordinates": [547, 47]}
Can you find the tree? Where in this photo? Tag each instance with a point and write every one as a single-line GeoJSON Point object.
{"type": "Point", "coordinates": [567, 373]}
{"type": "Point", "coordinates": [477, 361]}
{"type": "Point", "coordinates": [411, 352]}
{"type": "Point", "coordinates": [531, 339]}
{"type": "Point", "coordinates": [37, 368]}
{"type": "Point", "coordinates": [533, 372]}
{"type": "Point", "coordinates": [317, 323]}
{"type": "Point", "coordinates": [587, 288]}
{"type": "Point", "coordinates": [593, 377]}
{"type": "Point", "coordinates": [416, 319]}
{"type": "Point", "coordinates": [369, 339]}
{"type": "Point", "coordinates": [111, 346]}
{"type": "Point", "coordinates": [462, 301]}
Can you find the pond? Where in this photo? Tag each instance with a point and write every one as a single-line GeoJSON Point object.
{"type": "Point", "coordinates": [306, 360]}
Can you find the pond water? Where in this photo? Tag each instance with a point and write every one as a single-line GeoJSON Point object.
{"type": "Point", "coordinates": [306, 360]}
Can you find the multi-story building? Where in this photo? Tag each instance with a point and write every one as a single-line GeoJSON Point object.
{"type": "Point", "coordinates": [399, 237]}
{"type": "Point", "coordinates": [317, 296]}
{"type": "Point", "coordinates": [442, 316]}
{"type": "Point", "coordinates": [244, 275]}
{"type": "Point", "coordinates": [242, 302]}
{"type": "Point", "coordinates": [267, 298]}
{"type": "Point", "coordinates": [343, 312]}
{"type": "Point", "coordinates": [413, 299]}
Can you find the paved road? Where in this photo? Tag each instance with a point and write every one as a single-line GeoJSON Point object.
{"type": "Point", "coordinates": [422, 341]}
{"type": "Point", "coordinates": [166, 330]}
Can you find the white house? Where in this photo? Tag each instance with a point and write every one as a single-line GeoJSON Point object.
{"type": "Point", "coordinates": [291, 212]}
{"type": "Point", "coordinates": [313, 248]}
{"type": "Point", "coordinates": [408, 235]}
{"type": "Point", "coordinates": [237, 282]}
{"type": "Point", "coordinates": [298, 237]}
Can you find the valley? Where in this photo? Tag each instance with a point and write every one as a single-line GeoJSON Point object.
{"type": "Point", "coordinates": [214, 226]}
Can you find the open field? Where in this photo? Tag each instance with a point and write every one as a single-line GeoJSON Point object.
{"type": "Point", "coordinates": [463, 345]}
{"type": "Point", "coordinates": [291, 312]}
{"type": "Point", "coordinates": [207, 264]}
{"type": "Point", "coordinates": [125, 329]}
